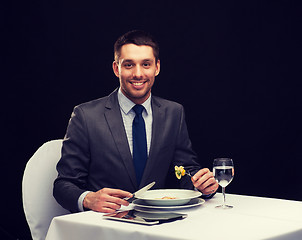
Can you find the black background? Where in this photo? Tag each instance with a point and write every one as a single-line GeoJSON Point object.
{"type": "Point", "coordinates": [235, 66]}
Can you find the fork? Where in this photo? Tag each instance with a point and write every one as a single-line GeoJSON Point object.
{"type": "Point", "coordinates": [188, 173]}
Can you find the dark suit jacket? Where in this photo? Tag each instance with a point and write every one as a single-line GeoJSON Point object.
{"type": "Point", "coordinates": [96, 154]}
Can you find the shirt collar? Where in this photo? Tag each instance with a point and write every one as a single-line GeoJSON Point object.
{"type": "Point", "coordinates": [126, 104]}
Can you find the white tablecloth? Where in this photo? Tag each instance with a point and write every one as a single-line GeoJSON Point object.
{"type": "Point", "coordinates": [251, 218]}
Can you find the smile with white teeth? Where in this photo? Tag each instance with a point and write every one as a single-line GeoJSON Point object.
{"type": "Point", "coordinates": [137, 83]}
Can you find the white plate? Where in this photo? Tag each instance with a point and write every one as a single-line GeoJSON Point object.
{"type": "Point", "coordinates": [141, 205]}
{"type": "Point", "coordinates": [155, 197]}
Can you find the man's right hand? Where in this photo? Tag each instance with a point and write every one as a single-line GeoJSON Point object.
{"type": "Point", "coordinates": [106, 200]}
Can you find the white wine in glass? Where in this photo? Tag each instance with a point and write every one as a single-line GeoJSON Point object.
{"type": "Point", "coordinates": [223, 170]}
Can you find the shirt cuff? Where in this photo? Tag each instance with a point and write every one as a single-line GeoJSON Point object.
{"type": "Point", "coordinates": [80, 201]}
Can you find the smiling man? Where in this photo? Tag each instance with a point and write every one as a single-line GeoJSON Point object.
{"type": "Point", "coordinates": [119, 143]}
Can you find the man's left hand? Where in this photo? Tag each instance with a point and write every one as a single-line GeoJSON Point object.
{"type": "Point", "coordinates": [205, 182]}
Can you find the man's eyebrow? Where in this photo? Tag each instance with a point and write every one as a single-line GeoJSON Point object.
{"type": "Point", "coordinates": [127, 60]}
{"type": "Point", "coordinates": [148, 60]}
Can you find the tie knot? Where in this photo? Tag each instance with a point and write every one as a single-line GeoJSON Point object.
{"type": "Point", "coordinates": [138, 109]}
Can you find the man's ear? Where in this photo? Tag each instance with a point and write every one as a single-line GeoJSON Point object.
{"type": "Point", "coordinates": [157, 68]}
{"type": "Point", "coordinates": [115, 68]}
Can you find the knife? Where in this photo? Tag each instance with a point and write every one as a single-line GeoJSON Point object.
{"type": "Point", "coordinates": [140, 191]}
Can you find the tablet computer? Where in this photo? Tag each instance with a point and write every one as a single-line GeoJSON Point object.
{"type": "Point", "coordinates": [144, 217]}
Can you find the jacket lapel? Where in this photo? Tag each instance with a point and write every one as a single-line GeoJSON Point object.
{"type": "Point", "coordinates": [115, 122]}
{"type": "Point", "coordinates": [158, 115]}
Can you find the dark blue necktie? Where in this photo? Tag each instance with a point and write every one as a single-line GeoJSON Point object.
{"type": "Point", "coordinates": [139, 142]}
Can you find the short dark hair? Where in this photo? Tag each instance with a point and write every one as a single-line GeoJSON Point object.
{"type": "Point", "coordinates": [136, 37]}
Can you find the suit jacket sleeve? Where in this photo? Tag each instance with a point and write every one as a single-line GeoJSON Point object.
{"type": "Point", "coordinates": [73, 165]}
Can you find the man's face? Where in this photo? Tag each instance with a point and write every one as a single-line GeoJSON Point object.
{"type": "Point", "coordinates": [136, 70]}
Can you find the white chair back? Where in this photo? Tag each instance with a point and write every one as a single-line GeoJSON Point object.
{"type": "Point", "coordinates": [37, 186]}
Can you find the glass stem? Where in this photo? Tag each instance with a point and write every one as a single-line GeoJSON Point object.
{"type": "Point", "coordinates": [223, 192]}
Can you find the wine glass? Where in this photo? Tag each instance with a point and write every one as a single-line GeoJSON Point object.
{"type": "Point", "coordinates": [223, 170]}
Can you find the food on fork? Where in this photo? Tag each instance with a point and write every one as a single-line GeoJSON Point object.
{"type": "Point", "coordinates": [179, 171]}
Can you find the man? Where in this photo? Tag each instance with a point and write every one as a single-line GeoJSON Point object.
{"type": "Point", "coordinates": [102, 162]}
